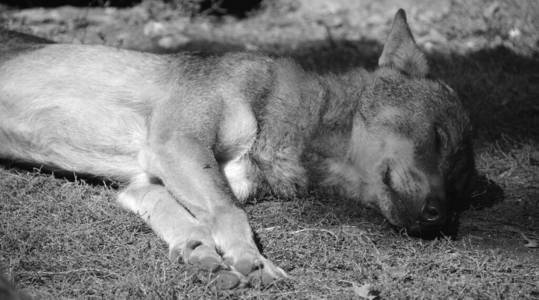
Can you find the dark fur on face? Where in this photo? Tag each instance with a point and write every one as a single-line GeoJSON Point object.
{"type": "Point", "coordinates": [429, 115]}
{"type": "Point", "coordinates": [409, 152]}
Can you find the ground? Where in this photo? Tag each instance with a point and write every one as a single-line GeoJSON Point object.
{"type": "Point", "coordinates": [68, 238]}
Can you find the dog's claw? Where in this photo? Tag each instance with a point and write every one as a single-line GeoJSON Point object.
{"type": "Point", "coordinates": [271, 273]}
{"type": "Point", "coordinates": [174, 254]}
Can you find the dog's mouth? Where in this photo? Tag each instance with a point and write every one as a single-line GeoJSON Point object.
{"type": "Point", "coordinates": [429, 231]}
{"type": "Point", "coordinates": [415, 224]}
{"type": "Point", "coordinates": [424, 231]}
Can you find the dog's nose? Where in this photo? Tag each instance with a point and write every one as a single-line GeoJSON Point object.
{"type": "Point", "coordinates": [433, 213]}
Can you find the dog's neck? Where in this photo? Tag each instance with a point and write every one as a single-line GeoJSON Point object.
{"type": "Point", "coordinates": [340, 96]}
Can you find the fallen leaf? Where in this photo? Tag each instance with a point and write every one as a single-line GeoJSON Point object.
{"type": "Point", "coordinates": [530, 243]}
{"type": "Point", "coordinates": [363, 291]}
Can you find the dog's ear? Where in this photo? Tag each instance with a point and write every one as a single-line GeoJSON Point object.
{"type": "Point", "coordinates": [401, 51]}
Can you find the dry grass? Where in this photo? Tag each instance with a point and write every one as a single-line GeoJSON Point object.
{"type": "Point", "coordinates": [65, 238]}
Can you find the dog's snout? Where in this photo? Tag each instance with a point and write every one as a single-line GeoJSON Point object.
{"type": "Point", "coordinates": [433, 213]}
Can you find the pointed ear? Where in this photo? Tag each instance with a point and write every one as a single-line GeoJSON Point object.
{"type": "Point", "coordinates": [401, 51]}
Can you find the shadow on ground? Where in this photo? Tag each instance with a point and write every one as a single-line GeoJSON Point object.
{"type": "Point", "coordinates": [59, 173]}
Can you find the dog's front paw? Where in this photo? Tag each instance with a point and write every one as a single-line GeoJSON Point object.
{"type": "Point", "coordinates": [242, 268]}
{"type": "Point", "coordinates": [253, 269]}
{"type": "Point", "coordinates": [198, 254]}
{"type": "Point", "coordinates": [267, 274]}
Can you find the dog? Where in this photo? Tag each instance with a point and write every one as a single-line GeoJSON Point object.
{"type": "Point", "coordinates": [192, 135]}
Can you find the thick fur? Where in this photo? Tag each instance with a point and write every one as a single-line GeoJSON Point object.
{"type": "Point", "coordinates": [190, 135]}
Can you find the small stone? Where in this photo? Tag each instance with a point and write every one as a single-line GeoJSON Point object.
{"type": "Point", "coordinates": [173, 41]}
{"type": "Point", "coordinates": [514, 33]}
{"type": "Point", "coordinates": [152, 29]}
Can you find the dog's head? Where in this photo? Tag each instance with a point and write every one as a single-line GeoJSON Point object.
{"type": "Point", "coordinates": [410, 153]}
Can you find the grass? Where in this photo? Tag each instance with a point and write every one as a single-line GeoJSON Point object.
{"type": "Point", "coordinates": [67, 238]}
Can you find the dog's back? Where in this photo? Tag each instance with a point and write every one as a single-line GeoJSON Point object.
{"type": "Point", "coordinates": [55, 99]}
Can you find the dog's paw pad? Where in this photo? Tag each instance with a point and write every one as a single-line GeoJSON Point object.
{"type": "Point", "coordinates": [227, 280]}
{"type": "Point", "coordinates": [208, 263]}
{"type": "Point", "coordinates": [247, 266]}
{"type": "Point", "coordinates": [197, 254]}
{"type": "Point", "coordinates": [205, 258]}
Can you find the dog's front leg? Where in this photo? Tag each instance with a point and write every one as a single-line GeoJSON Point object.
{"type": "Point", "coordinates": [191, 173]}
{"type": "Point", "coordinates": [186, 236]}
